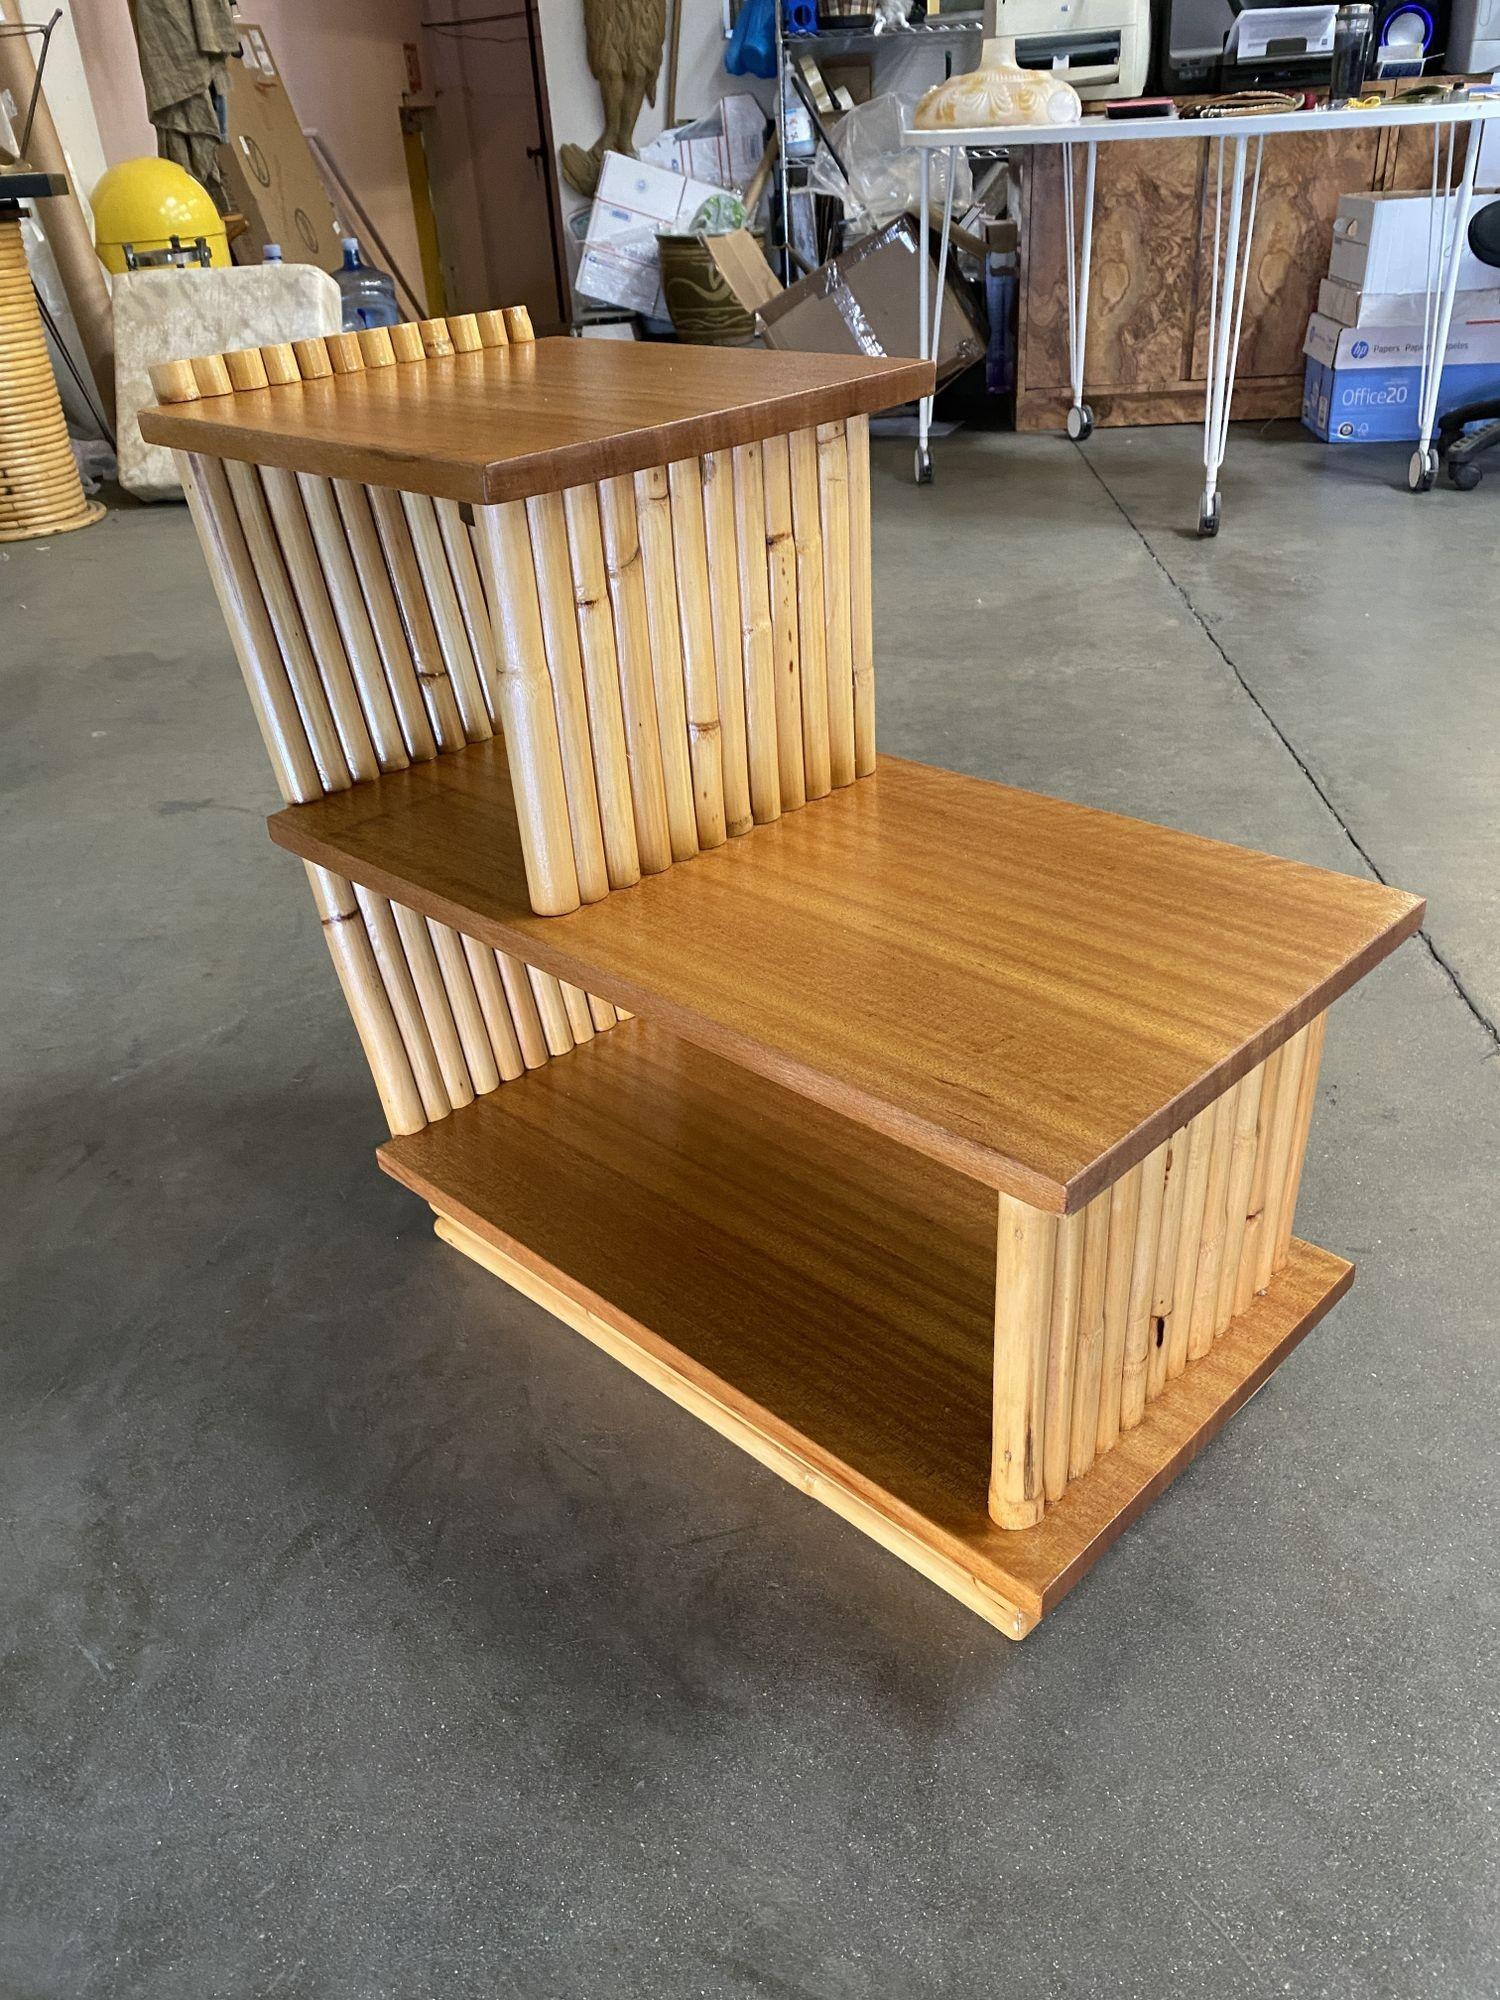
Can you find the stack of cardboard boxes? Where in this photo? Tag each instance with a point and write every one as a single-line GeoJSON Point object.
{"type": "Point", "coordinates": [1364, 343]}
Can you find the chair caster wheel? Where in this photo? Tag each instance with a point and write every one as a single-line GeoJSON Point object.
{"type": "Point", "coordinates": [1421, 472]}
{"type": "Point", "coordinates": [1465, 477]}
{"type": "Point", "coordinates": [1080, 422]}
{"type": "Point", "coordinates": [923, 465]}
{"type": "Point", "coordinates": [1208, 516]}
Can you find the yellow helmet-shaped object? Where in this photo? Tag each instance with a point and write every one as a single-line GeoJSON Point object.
{"type": "Point", "coordinates": [141, 205]}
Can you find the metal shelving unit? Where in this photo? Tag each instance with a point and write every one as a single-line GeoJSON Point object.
{"type": "Point", "coordinates": [940, 30]}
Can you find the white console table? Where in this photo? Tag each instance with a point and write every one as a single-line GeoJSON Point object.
{"type": "Point", "coordinates": [1239, 144]}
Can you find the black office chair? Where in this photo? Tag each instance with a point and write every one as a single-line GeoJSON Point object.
{"type": "Point", "coordinates": [1459, 447]}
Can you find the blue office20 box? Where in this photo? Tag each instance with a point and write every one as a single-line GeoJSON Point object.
{"type": "Point", "coordinates": [1362, 384]}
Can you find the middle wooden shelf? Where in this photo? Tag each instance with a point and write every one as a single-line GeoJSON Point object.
{"type": "Point", "coordinates": [1032, 992]}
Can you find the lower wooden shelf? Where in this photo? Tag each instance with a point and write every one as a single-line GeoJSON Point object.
{"type": "Point", "coordinates": [816, 1292]}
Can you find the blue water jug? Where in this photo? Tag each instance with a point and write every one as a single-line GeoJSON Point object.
{"type": "Point", "coordinates": [369, 296]}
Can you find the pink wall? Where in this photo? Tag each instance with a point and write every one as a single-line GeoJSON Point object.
{"type": "Point", "coordinates": [341, 60]}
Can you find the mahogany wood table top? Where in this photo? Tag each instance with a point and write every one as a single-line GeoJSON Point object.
{"type": "Point", "coordinates": [511, 421]}
{"type": "Point", "coordinates": [1033, 992]}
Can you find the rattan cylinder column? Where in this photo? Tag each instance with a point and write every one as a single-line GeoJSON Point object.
{"type": "Point", "coordinates": [40, 491]}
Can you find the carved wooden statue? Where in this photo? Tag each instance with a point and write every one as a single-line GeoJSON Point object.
{"type": "Point", "coordinates": [625, 40]}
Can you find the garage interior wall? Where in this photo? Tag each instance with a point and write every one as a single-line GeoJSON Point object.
{"type": "Point", "coordinates": [343, 63]}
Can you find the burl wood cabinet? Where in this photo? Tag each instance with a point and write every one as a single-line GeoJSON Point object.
{"type": "Point", "coordinates": [1153, 257]}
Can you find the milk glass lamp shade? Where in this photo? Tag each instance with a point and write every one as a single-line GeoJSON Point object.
{"type": "Point", "coordinates": [999, 92]}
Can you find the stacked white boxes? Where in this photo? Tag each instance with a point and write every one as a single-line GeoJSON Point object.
{"type": "Point", "coordinates": [1364, 343]}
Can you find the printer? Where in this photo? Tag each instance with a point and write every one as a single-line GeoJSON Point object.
{"type": "Point", "coordinates": [1101, 47]}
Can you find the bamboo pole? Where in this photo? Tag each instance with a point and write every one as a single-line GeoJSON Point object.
{"type": "Point", "coordinates": [421, 959]}
{"type": "Point", "coordinates": [1163, 1289]}
{"type": "Point", "coordinates": [352, 501]}
{"type": "Point", "coordinates": [468, 1015]}
{"type": "Point", "coordinates": [406, 342]}
{"type": "Point", "coordinates": [1237, 1198]}
{"type": "Point", "coordinates": [580, 1015]}
{"type": "Point", "coordinates": [245, 368]}
{"type": "Point", "coordinates": [604, 1016]}
{"type": "Point", "coordinates": [1062, 1351]}
{"type": "Point", "coordinates": [547, 523]}
{"type": "Point", "coordinates": [833, 489]}
{"type": "Point", "coordinates": [601, 686]}
{"type": "Point", "coordinates": [786, 653]}
{"type": "Point", "coordinates": [553, 1010]}
{"type": "Point", "coordinates": [375, 1024]}
{"type": "Point", "coordinates": [756, 638]}
{"type": "Point", "coordinates": [458, 540]}
{"type": "Point", "coordinates": [447, 619]}
{"type": "Point", "coordinates": [493, 1004]}
{"type": "Point", "coordinates": [518, 325]}
{"type": "Point", "coordinates": [861, 606]}
{"type": "Point", "coordinates": [416, 617]}
{"type": "Point", "coordinates": [807, 529]}
{"type": "Point", "coordinates": [1199, 1142]}
{"type": "Point", "coordinates": [463, 333]}
{"type": "Point", "coordinates": [627, 593]}
{"type": "Point", "coordinates": [1025, 1259]}
{"type": "Point", "coordinates": [344, 353]}
{"type": "Point", "coordinates": [313, 364]}
{"type": "Point", "coordinates": [286, 623]}
{"type": "Point", "coordinates": [1138, 1317]}
{"type": "Point", "coordinates": [531, 738]}
{"type": "Point", "coordinates": [1255, 1205]}
{"type": "Point", "coordinates": [1124, 1213]}
{"type": "Point", "coordinates": [211, 373]}
{"type": "Point", "coordinates": [318, 620]}
{"type": "Point", "coordinates": [717, 482]}
{"type": "Point", "coordinates": [492, 329]}
{"type": "Point", "coordinates": [1089, 1367]}
{"type": "Point", "coordinates": [395, 973]}
{"type": "Point", "coordinates": [653, 522]}
{"type": "Point", "coordinates": [341, 580]}
{"type": "Point", "coordinates": [279, 359]}
{"type": "Point", "coordinates": [1215, 1219]}
{"type": "Point", "coordinates": [1279, 1163]}
{"type": "Point", "coordinates": [1307, 1098]}
{"type": "Point", "coordinates": [171, 381]}
{"type": "Point", "coordinates": [376, 346]}
{"type": "Point", "coordinates": [250, 632]}
{"type": "Point", "coordinates": [523, 1009]}
{"type": "Point", "coordinates": [435, 342]}
{"type": "Point", "coordinates": [699, 667]}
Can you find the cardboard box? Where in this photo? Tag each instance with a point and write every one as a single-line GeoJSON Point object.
{"type": "Point", "coordinates": [865, 302]}
{"type": "Point", "coordinates": [1351, 305]}
{"type": "Point", "coordinates": [1363, 384]}
{"type": "Point", "coordinates": [1383, 243]}
{"type": "Point", "coordinates": [724, 148]}
{"type": "Point", "coordinates": [268, 165]}
{"type": "Point", "coordinates": [741, 263]}
{"type": "Point", "coordinates": [634, 202]}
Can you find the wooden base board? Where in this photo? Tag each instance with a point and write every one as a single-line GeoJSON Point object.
{"type": "Point", "coordinates": [1094, 1511]}
{"type": "Point", "coordinates": [816, 1293]}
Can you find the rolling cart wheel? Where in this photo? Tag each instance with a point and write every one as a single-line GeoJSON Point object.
{"type": "Point", "coordinates": [923, 465]}
{"type": "Point", "coordinates": [1421, 473]}
{"type": "Point", "coordinates": [1208, 516]}
{"type": "Point", "coordinates": [1080, 422]}
{"type": "Point", "coordinates": [1463, 475]}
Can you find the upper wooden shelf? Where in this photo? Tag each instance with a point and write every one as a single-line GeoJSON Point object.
{"type": "Point", "coordinates": [1033, 992]}
{"type": "Point", "coordinates": [512, 421]}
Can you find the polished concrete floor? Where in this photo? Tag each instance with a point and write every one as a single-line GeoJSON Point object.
{"type": "Point", "coordinates": [364, 1634]}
